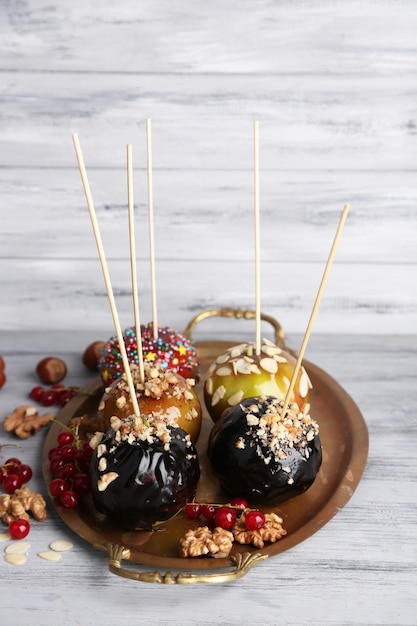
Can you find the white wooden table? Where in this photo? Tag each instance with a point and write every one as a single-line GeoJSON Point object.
{"type": "Point", "coordinates": [332, 85]}
{"type": "Point", "coordinates": [360, 568]}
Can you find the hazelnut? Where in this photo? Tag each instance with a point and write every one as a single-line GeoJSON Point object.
{"type": "Point", "coordinates": [92, 355]}
{"type": "Point", "coordinates": [2, 378]}
{"type": "Point", "coordinates": [2, 365]}
{"type": "Point", "coordinates": [51, 370]}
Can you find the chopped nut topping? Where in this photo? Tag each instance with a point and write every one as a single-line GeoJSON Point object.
{"type": "Point", "coordinates": [295, 429]}
{"type": "Point", "coordinates": [158, 382]}
{"type": "Point", "coordinates": [105, 480]}
{"type": "Point", "coordinates": [121, 402]}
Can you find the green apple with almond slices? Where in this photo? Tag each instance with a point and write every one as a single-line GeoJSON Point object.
{"type": "Point", "coordinates": [240, 373]}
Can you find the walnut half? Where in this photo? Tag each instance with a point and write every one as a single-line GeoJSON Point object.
{"type": "Point", "coordinates": [204, 542]}
{"type": "Point", "coordinates": [271, 532]}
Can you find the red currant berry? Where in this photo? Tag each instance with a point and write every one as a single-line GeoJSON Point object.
{"type": "Point", "coordinates": [54, 452]}
{"type": "Point", "coordinates": [81, 484]}
{"type": "Point", "coordinates": [67, 452]}
{"type": "Point", "coordinates": [207, 511]}
{"type": "Point", "coordinates": [225, 517]}
{"type": "Point", "coordinates": [254, 520]}
{"type": "Point", "coordinates": [68, 470]}
{"type": "Point", "coordinates": [239, 503]}
{"type": "Point", "coordinates": [19, 528]}
{"type": "Point", "coordinates": [36, 393]}
{"type": "Point", "coordinates": [56, 463]}
{"type": "Point", "coordinates": [80, 455]}
{"type": "Point", "coordinates": [47, 398]}
{"type": "Point", "coordinates": [11, 482]}
{"type": "Point", "coordinates": [69, 499]}
{"type": "Point", "coordinates": [13, 461]}
{"type": "Point", "coordinates": [25, 472]}
{"type": "Point", "coordinates": [57, 486]}
{"type": "Point", "coordinates": [10, 468]}
{"type": "Point", "coordinates": [88, 449]}
{"type": "Point", "coordinates": [64, 397]}
{"type": "Point", "coordinates": [193, 510]}
{"type": "Point", "coordinates": [65, 437]}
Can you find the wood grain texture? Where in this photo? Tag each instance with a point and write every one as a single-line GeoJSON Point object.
{"type": "Point", "coordinates": [332, 85]}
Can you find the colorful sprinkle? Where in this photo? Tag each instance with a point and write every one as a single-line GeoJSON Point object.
{"type": "Point", "coordinates": [171, 349]}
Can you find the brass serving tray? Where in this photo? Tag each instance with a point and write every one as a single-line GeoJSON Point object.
{"type": "Point", "coordinates": [344, 438]}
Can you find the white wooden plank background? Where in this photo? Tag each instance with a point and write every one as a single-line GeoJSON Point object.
{"type": "Point", "coordinates": [333, 86]}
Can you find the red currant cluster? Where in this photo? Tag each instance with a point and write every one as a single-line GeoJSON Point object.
{"type": "Point", "coordinates": [56, 394]}
{"type": "Point", "coordinates": [225, 515]}
{"type": "Point", "coordinates": [69, 462]}
{"type": "Point", "coordinates": [13, 475]}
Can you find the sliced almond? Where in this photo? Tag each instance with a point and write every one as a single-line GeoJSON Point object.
{"type": "Point", "coordinates": [218, 395]}
{"type": "Point", "coordinates": [243, 367]}
{"type": "Point", "coordinates": [238, 350]}
{"type": "Point", "coordinates": [17, 547]}
{"type": "Point", "coordinates": [271, 350]}
{"type": "Point", "coordinates": [61, 545]}
{"type": "Point", "coordinates": [50, 555]}
{"type": "Point", "coordinates": [15, 559]}
{"type": "Point", "coordinates": [304, 384]}
{"type": "Point", "coordinates": [209, 386]}
{"type": "Point", "coordinates": [280, 359]}
{"type": "Point", "coordinates": [235, 398]}
{"type": "Point", "coordinates": [222, 358]}
{"type": "Point", "coordinates": [4, 537]}
{"type": "Point", "coordinates": [269, 365]}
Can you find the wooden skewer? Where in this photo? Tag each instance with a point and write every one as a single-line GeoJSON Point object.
{"type": "Point", "coordinates": [106, 275]}
{"type": "Point", "coordinates": [257, 245]}
{"type": "Point", "coordinates": [151, 229]}
{"type": "Point", "coordinates": [315, 308]}
{"type": "Point", "coordinates": [130, 207]}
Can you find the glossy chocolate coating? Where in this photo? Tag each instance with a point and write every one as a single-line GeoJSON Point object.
{"type": "Point", "coordinates": [152, 483]}
{"type": "Point", "coordinates": [242, 470]}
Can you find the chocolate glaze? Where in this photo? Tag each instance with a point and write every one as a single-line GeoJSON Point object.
{"type": "Point", "coordinates": [242, 471]}
{"type": "Point", "coordinates": [152, 483]}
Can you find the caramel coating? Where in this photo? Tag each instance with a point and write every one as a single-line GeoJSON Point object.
{"type": "Point", "coordinates": [240, 373]}
{"type": "Point", "coordinates": [164, 393]}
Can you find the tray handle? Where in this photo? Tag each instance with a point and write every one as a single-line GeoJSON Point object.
{"type": "Point", "coordinates": [238, 313]}
{"type": "Point", "coordinates": [242, 562]}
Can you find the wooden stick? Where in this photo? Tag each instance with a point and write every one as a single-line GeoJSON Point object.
{"type": "Point", "coordinates": [130, 207]}
{"type": "Point", "coordinates": [151, 229]}
{"type": "Point", "coordinates": [106, 275]}
{"type": "Point", "coordinates": [257, 245]}
{"type": "Point", "coordinates": [315, 308]}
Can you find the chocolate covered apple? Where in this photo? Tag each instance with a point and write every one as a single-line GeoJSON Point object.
{"type": "Point", "coordinates": [170, 349]}
{"type": "Point", "coordinates": [240, 373]}
{"type": "Point", "coordinates": [162, 393]}
{"type": "Point", "coordinates": [262, 455]}
{"type": "Point", "coordinates": [143, 470]}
